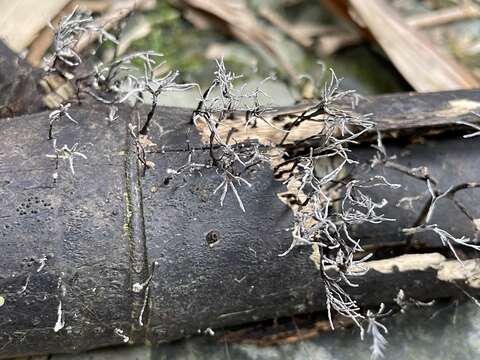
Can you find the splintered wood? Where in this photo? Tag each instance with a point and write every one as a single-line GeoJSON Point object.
{"type": "Point", "coordinates": [270, 131]}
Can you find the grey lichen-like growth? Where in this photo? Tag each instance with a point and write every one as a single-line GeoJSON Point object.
{"type": "Point", "coordinates": [108, 83]}
{"type": "Point", "coordinates": [322, 218]}
{"type": "Point", "coordinates": [424, 221]}
{"type": "Point", "coordinates": [220, 102]}
{"type": "Point", "coordinates": [66, 37]}
{"type": "Point", "coordinates": [117, 83]}
{"type": "Point", "coordinates": [154, 85]}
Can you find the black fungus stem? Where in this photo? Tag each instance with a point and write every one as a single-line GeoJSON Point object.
{"type": "Point", "coordinates": [149, 117]}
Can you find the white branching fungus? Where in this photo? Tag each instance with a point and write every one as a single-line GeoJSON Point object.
{"type": "Point", "coordinates": [25, 286]}
{"type": "Point", "coordinates": [446, 238]}
{"type": "Point", "coordinates": [56, 115]}
{"type": "Point", "coordinates": [425, 220]}
{"type": "Point", "coordinates": [144, 286]}
{"type": "Point", "coordinates": [374, 329]}
{"type": "Point", "coordinates": [144, 305]}
{"type": "Point", "coordinates": [329, 203]}
{"type": "Point", "coordinates": [42, 261]}
{"type": "Point", "coordinates": [434, 199]}
{"type": "Point", "coordinates": [115, 78]}
{"type": "Point", "coordinates": [112, 113]}
{"type": "Point", "coordinates": [473, 126]}
{"type": "Point", "coordinates": [60, 318]}
{"type": "Point", "coordinates": [67, 154]}
{"type": "Point", "coordinates": [425, 225]}
{"type": "Point", "coordinates": [121, 333]}
{"type": "Point", "coordinates": [231, 160]}
{"type": "Point", "coordinates": [115, 82]}
{"type": "Point", "coordinates": [405, 302]}
{"type": "Point", "coordinates": [138, 287]}
{"type": "Point", "coordinates": [209, 331]}
{"type": "Point", "coordinates": [67, 35]}
{"type": "Point", "coordinates": [321, 219]}
{"type": "Point", "coordinates": [407, 202]}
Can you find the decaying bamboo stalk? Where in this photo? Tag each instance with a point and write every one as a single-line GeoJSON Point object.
{"type": "Point", "coordinates": [117, 253]}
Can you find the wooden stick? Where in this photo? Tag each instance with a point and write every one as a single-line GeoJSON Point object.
{"type": "Point", "coordinates": [444, 16]}
{"type": "Point", "coordinates": [329, 41]}
{"type": "Point", "coordinates": [423, 65]}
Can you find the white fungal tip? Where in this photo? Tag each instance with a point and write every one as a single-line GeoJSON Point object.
{"type": "Point", "coordinates": [121, 333]}
{"type": "Point", "coordinates": [209, 331]}
{"type": "Point", "coordinates": [60, 320]}
{"type": "Point", "coordinates": [137, 288]}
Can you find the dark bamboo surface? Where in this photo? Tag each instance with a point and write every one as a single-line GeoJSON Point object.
{"type": "Point", "coordinates": [77, 246]}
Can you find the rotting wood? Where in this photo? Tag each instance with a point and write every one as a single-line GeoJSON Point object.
{"type": "Point", "coordinates": [85, 242]}
{"type": "Point", "coordinates": [394, 114]}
